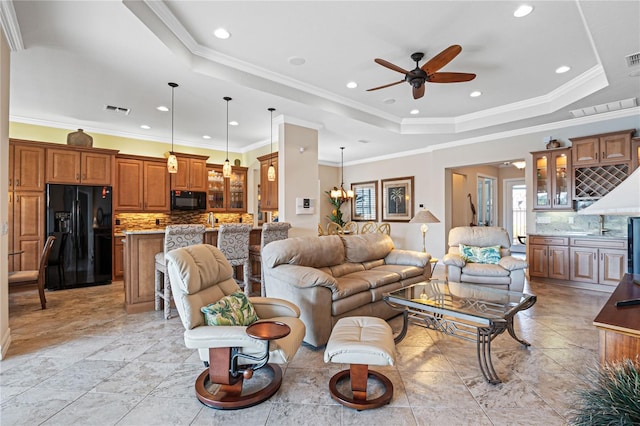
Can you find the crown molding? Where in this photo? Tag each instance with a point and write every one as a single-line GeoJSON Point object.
{"type": "Point", "coordinates": [10, 26]}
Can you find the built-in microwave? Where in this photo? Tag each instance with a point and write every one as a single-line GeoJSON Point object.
{"type": "Point", "coordinates": [188, 200]}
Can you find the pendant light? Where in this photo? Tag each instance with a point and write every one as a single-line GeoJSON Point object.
{"type": "Point", "coordinates": [341, 194]}
{"type": "Point", "coordinates": [172, 161]}
{"type": "Point", "coordinates": [271, 171]}
{"type": "Point", "coordinates": [226, 168]}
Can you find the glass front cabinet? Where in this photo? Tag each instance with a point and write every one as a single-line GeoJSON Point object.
{"type": "Point", "coordinates": [552, 180]}
{"type": "Point", "coordinates": [226, 195]}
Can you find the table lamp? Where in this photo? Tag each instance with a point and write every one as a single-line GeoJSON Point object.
{"type": "Point", "coordinates": [424, 217]}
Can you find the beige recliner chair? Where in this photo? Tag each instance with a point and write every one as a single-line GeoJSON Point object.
{"type": "Point", "coordinates": [200, 275]}
{"type": "Point", "coordinates": [507, 273]}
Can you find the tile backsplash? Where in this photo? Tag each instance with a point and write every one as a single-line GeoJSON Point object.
{"type": "Point", "coordinates": [552, 222]}
{"type": "Point", "coordinates": [138, 221]}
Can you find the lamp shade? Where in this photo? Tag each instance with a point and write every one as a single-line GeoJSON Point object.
{"type": "Point", "coordinates": [424, 216]}
{"type": "Point", "coordinates": [172, 164]}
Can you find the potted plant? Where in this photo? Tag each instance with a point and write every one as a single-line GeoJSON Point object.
{"type": "Point", "coordinates": [336, 213]}
{"type": "Point", "coordinates": [614, 398]}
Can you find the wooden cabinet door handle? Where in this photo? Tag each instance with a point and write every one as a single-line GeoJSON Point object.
{"type": "Point", "coordinates": [17, 182]}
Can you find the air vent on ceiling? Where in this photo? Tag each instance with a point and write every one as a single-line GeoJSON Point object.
{"type": "Point", "coordinates": [633, 59]}
{"type": "Point", "coordinates": [117, 110]}
{"type": "Point", "coordinates": [599, 109]}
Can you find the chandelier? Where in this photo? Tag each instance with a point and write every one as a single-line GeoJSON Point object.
{"type": "Point", "coordinates": [340, 193]}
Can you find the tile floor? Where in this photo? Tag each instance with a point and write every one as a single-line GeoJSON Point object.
{"type": "Point", "coordinates": [84, 361]}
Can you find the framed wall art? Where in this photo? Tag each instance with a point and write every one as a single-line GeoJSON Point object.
{"type": "Point", "coordinates": [397, 199]}
{"type": "Point", "coordinates": [364, 206]}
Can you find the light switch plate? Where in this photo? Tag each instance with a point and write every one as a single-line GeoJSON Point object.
{"type": "Point", "coordinates": [5, 228]}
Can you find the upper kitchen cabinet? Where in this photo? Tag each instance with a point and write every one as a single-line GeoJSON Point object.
{"type": "Point", "coordinates": [552, 180]}
{"type": "Point", "coordinates": [635, 153]}
{"type": "Point", "coordinates": [606, 148]}
{"type": "Point", "coordinates": [192, 173]}
{"type": "Point", "coordinates": [142, 185]}
{"type": "Point", "coordinates": [226, 195]}
{"type": "Point", "coordinates": [74, 166]}
{"type": "Point", "coordinates": [26, 167]}
{"type": "Point", "coordinates": [268, 189]}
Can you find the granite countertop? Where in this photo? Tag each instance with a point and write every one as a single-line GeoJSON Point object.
{"type": "Point", "coordinates": [597, 235]}
{"type": "Point", "coordinates": [161, 230]}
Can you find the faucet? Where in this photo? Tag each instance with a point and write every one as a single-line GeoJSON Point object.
{"type": "Point", "coordinates": [211, 219]}
{"type": "Point", "coordinates": [602, 228]}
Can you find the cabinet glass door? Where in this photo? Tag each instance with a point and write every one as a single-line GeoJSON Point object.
{"type": "Point", "coordinates": [215, 190]}
{"type": "Point", "coordinates": [542, 182]}
{"type": "Point", "coordinates": [561, 195]}
{"type": "Point", "coordinates": [237, 190]}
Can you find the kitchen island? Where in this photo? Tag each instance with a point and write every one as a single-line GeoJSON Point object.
{"type": "Point", "coordinates": [140, 248]}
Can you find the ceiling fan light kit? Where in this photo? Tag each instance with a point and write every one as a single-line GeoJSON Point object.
{"type": "Point", "coordinates": [428, 72]}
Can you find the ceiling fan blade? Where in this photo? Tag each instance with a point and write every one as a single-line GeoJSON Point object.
{"type": "Point", "coordinates": [418, 92]}
{"type": "Point", "coordinates": [441, 59]}
{"type": "Point", "coordinates": [450, 77]}
{"type": "Point", "coordinates": [391, 66]}
{"type": "Point", "coordinates": [386, 85]}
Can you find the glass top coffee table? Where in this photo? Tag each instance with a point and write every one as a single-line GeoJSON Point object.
{"type": "Point", "coordinates": [471, 312]}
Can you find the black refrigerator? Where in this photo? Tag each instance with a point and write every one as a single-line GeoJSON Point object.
{"type": "Point", "coordinates": [634, 245]}
{"type": "Point", "coordinates": [79, 217]}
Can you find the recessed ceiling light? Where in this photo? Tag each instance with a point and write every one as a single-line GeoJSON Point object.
{"type": "Point", "coordinates": [352, 85]}
{"type": "Point", "coordinates": [523, 11]}
{"type": "Point", "coordinates": [233, 123]}
{"type": "Point", "coordinates": [206, 137]}
{"type": "Point", "coordinates": [414, 111]}
{"type": "Point", "coordinates": [162, 108]}
{"type": "Point", "coordinates": [363, 141]}
{"type": "Point", "coordinates": [389, 101]}
{"type": "Point", "coordinates": [562, 69]}
{"type": "Point", "coordinates": [296, 60]}
{"type": "Point", "coordinates": [475, 94]}
{"type": "Point", "coordinates": [146, 127]}
{"type": "Point", "coordinates": [221, 33]}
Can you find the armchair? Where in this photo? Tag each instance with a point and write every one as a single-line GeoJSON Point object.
{"type": "Point", "coordinates": [200, 275]}
{"type": "Point", "coordinates": [507, 273]}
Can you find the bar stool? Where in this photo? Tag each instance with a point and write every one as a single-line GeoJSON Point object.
{"type": "Point", "coordinates": [270, 232]}
{"type": "Point", "coordinates": [233, 242]}
{"type": "Point", "coordinates": [175, 236]}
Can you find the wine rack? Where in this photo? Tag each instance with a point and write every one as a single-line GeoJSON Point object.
{"type": "Point", "coordinates": [596, 182]}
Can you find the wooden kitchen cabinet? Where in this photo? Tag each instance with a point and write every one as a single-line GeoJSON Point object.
{"type": "Point", "coordinates": [71, 166]}
{"type": "Point", "coordinates": [598, 261]}
{"type": "Point", "coordinates": [142, 184]}
{"type": "Point", "coordinates": [28, 228]}
{"type": "Point", "coordinates": [552, 181]}
{"type": "Point", "coordinates": [548, 257]}
{"type": "Point", "coordinates": [118, 258]}
{"type": "Point", "coordinates": [26, 167]}
{"type": "Point", "coordinates": [192, 173]}
{"type": "Point", "coordinates": [226, 195]}
{"type": "Point", "coordinates": [635, 153]}
{"type": "Point", "coordinates": [268, 189]}
{"type": "Point", "coordinates": [139, 273]}
{"type": "Point", "coordinates": [605, 148]}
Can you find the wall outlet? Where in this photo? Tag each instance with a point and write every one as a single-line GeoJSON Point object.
{"type": "Point", "coordinates": [117, 221]}
{"type": "Point", "coordinates": [157, 221]}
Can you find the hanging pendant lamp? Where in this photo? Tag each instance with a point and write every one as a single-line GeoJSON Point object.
{"type": "Point", "coordinates": [340, 193]}
{"type": "Point", "coordinates": [271, 171]}
{"type": "Point", "coordinates": [172, 160]}
{"type": "Point", "coordinates": [226, 168]}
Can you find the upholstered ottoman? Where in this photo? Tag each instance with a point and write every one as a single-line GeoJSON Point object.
{"type": "Point", "coordinates": [360, 342]}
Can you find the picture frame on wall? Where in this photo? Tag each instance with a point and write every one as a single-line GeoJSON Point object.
{"type": "Point", "coordinates": [364, 206]}
{"type": "Point", "coordinates": [397, 199]}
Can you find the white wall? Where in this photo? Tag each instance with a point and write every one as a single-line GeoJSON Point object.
{"type": "Point", "coordinates": [5, 332]}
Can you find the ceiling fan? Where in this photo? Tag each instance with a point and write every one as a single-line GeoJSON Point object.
{"type": "Point", "coordinates": [427, 73]}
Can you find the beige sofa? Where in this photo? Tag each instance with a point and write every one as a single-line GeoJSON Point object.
{"type": "Point", "coordinates": [333, 276]}
{"type": "Point", "coordinates": [507, 274]}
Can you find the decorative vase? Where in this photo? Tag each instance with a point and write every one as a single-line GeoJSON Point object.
{"type": "Point", "coordinates": [553, 144]}
{"type": "Point", "coordinates": [79, 138]}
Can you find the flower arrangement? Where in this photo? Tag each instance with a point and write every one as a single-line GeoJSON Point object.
{"type": "Point", "coordinates": [336, 213]}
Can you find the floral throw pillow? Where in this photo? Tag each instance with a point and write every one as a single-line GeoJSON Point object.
{"type": "Point", "coordinates": [473, 254]}
{"type": "Point", "coordinates": [234, 309]}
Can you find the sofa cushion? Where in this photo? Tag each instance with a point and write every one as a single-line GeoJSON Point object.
{"type": "Point", "coordinates": [315, 252]}
{"type": "Point", "coordinates": [358, 300]}
{"type": "Point", "coordinates": [348, 285]}
{"type": "Point", "coordinates": [485, 270]}
{"type": "Point", "coordinates": [366, 247]}
{"type": "Point", "coordinates": [403, 271]}
{"type": "Point", "coordinates": [346, 268]}
{"type": "Point", "coordinates": [377, 277]}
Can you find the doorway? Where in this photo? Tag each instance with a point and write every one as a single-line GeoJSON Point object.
{"type": "Point", "coordinates": [487, 201]}
{"type": "Point", "coordinates": [515, 212]}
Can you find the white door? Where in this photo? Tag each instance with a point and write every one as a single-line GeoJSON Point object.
{"type": "Point", "coordinates": [515, 212]}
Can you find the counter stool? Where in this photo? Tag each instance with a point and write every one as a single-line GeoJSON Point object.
{"type": "Point", "coordinates": [233, 242]}
{"type": "Point", "coordinates": [271, 232]}
{"type": "Point", "coordinates": [175, 236]}
{"type": "Point", "coordinates": [360, 342]}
